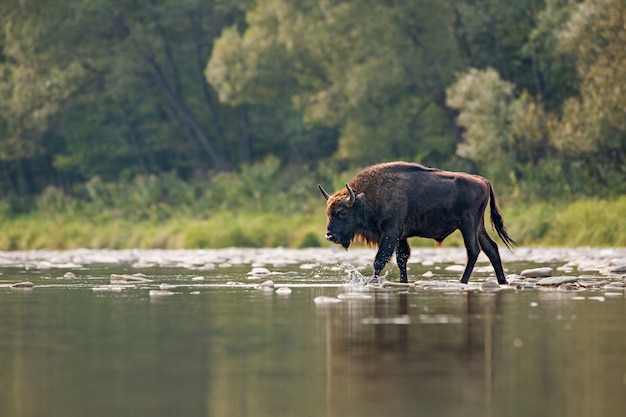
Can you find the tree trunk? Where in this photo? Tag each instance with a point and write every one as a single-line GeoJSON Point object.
{"type": "Point", "coordinates": [177, 104]}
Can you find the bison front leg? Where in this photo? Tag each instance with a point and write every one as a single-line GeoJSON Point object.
{"type": "Point", "coordinates": [403, 251]}
{"type": "Point", "coordinates": [386, 247]}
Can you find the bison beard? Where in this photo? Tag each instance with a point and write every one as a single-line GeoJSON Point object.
{"type": "Point", "coordinates": [386, 204]}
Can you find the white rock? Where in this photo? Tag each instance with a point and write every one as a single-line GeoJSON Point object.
{"type": "Point", "coordinates": [618, 270]}
{"type": "Point", "coordinates": [109, 288]}
{"type": "Point", "coordinates": [555, 281]}
{"type": "Point", "coordinates": [69, 275]}
{"type": "Point", "coordinates": [266, 285]}
{"type": "Point", "coordinates": [283, 291]}
{"type": "Point", "coordinates": [198, 278]}
{"type": "Point", "coordinates": [455, 268]}
{"type": "Point", "coordinates": [167, 286]}
{"type": "Point", "coordinates": [127, 279]}
{"type": "Point", "coordinates": [326, 300]}
{"type": "Point", "coordinates": [537, 272]}
{"type": "Point", "coordinates": [159, 293]}
{"type": "Point", "coordinates": [21, 285]}
{"type": "Point", "coordinates": [259, 271]}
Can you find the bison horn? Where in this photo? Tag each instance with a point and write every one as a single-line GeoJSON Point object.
{"type": "Point", "coordinates": [324, 193]}
{"type": "Point", "coordinates": [352, 196]}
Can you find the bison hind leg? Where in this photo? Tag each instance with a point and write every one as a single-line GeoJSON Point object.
{"type": "Point", "coordinates": [489, 246]}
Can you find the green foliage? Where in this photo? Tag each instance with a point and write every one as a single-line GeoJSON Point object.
{"type": "Point", "coordinates": [118, 111]}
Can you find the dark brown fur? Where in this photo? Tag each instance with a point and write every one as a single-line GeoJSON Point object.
{"type": "Point", "coordinates": [387, 203]}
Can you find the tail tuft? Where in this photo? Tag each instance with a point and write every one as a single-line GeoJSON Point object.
{"type": "Point", "coordinates": [497, 221]}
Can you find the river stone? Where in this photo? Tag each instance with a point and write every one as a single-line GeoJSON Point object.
{"type": "Point", "coordinates": [266, 285]}
{"type": "Point", "coordinates": [556, 281]}
{"type": "Point", "coordinates": [569, 286]}
{"type": "Point", "coordinates": [69, 275]}
{"type": "Point", "coordinates": [127, 279]}
{"type": "Point", "coordinates": [166, 287]}
{"type": "Point", "coordinates": [259, 271]}
{"type": "Point", "coordinates": [537, 272]}
{"type": "Point", "coordinates": [490, 286]}
{"type": "Point", "coordinates": [283, 291]}
{"type": "Point", "coordinates": [25, 284]}
{"type": "Point", "coordinates": [110, 288]}
{"type": "Point", "coordinates": [326, 300]}
{"type": "Point", "coordinates": [455, 268]}
{"type": "Point", "coordinates": [159, 293]}
{"type": "Point", "coordinates": [618, 269]}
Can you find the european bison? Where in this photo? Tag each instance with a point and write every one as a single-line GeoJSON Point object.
{"type": "Point", "coordinates": [387, 203]}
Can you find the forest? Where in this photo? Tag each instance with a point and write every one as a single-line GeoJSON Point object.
{"type": "Point", "coordinates": [150, 123]}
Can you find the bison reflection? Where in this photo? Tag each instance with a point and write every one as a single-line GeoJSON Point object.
{"type": "Point", "coordinates": [443, 346]}
{"type": "Point", "coordinates": [386, 204]}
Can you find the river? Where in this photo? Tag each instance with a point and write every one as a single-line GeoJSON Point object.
{"type": "Point", "coordinates": [194, 333]}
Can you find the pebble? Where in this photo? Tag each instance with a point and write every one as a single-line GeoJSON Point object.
{"type": "Point", "coordinates": [69, 275]}
{"type": "Point", "coordinates": [490, 286]}
{"type": "Point", "coordinates": [537, 272]}
{"type": "Point", "coordinates": [556, 281]}
{"type": "Point", "coordinates": [167, 286]}
{"type": "Point", "coordinates": [455, 268]}
{"type": "Point", "coordinates": [159, 293]}
{"type": "Point", "coordinates": [128, 279]}
{"type": "Point", "coordinates": [326, 300]}
{"type": "Point", "coordinates": [283, 291]}
{"type": "Point", "coordinates": [569, 286]}
{"type": "Point", "coordinates": [109, 288]}
{"type": "Point", "coordinates": [618, 270]}
{"type": "Point", "coordinates": [266, 285]}
{"type": "Point", "coordinates": [25, 284]}
{"type": "Point", "coordinates": [259, 271]}
{"type": "Point", "coordinates": [428, 274]}
{"type": "Point", "coordinates": [198, 278]}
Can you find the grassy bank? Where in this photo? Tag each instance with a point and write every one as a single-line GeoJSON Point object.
{"type": "Point", "coordinates": [581, 223]}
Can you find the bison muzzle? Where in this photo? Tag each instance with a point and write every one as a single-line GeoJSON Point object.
{"type": "Point", "coordinates": [386, 204]}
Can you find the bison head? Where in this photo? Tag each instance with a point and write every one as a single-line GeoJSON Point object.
{"type": "Point", "coordinates": [343, 217]}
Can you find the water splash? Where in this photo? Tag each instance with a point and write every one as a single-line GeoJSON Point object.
{"type": "Point", "coordinates": [356, 279]}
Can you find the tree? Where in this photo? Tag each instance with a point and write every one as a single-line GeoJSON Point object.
{"type": "Point", "coordinates": [375, 71]}
{"type": "Point", "coordinates": [83, 79]}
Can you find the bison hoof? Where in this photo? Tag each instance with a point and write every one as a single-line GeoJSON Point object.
{"type": "Point", "coordinates": [375, 280]}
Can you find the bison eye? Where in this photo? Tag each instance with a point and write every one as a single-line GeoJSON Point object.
{"type": "Point", "coordinates": [342, 213]}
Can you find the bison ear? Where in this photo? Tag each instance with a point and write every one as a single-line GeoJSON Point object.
{"type": "Point", "coordinates": [324, 193]}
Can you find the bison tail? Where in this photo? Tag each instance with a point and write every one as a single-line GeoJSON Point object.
{"type": "Point", "coordinates": [497, 221]}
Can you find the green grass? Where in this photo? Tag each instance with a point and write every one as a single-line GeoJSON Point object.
{"type": "Point", "coordinates": [588, 222]}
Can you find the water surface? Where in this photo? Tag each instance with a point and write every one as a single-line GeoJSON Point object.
{"type": "Point", "coordinates": [217, 346]}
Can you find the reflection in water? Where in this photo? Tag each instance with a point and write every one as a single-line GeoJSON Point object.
{"type": "Point", "coordinates": [66, 350]}
{"type": "Point", "coordinates": [380, 362]}
{"type": "Point", "coordinates": [476, 354]}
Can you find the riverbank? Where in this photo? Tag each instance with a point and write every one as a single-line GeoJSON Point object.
{"type": "Point", "coordinates": [587, 223]}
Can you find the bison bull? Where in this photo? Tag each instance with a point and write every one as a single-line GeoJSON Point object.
{"type": "Point", "coordinates": [387, 203]}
